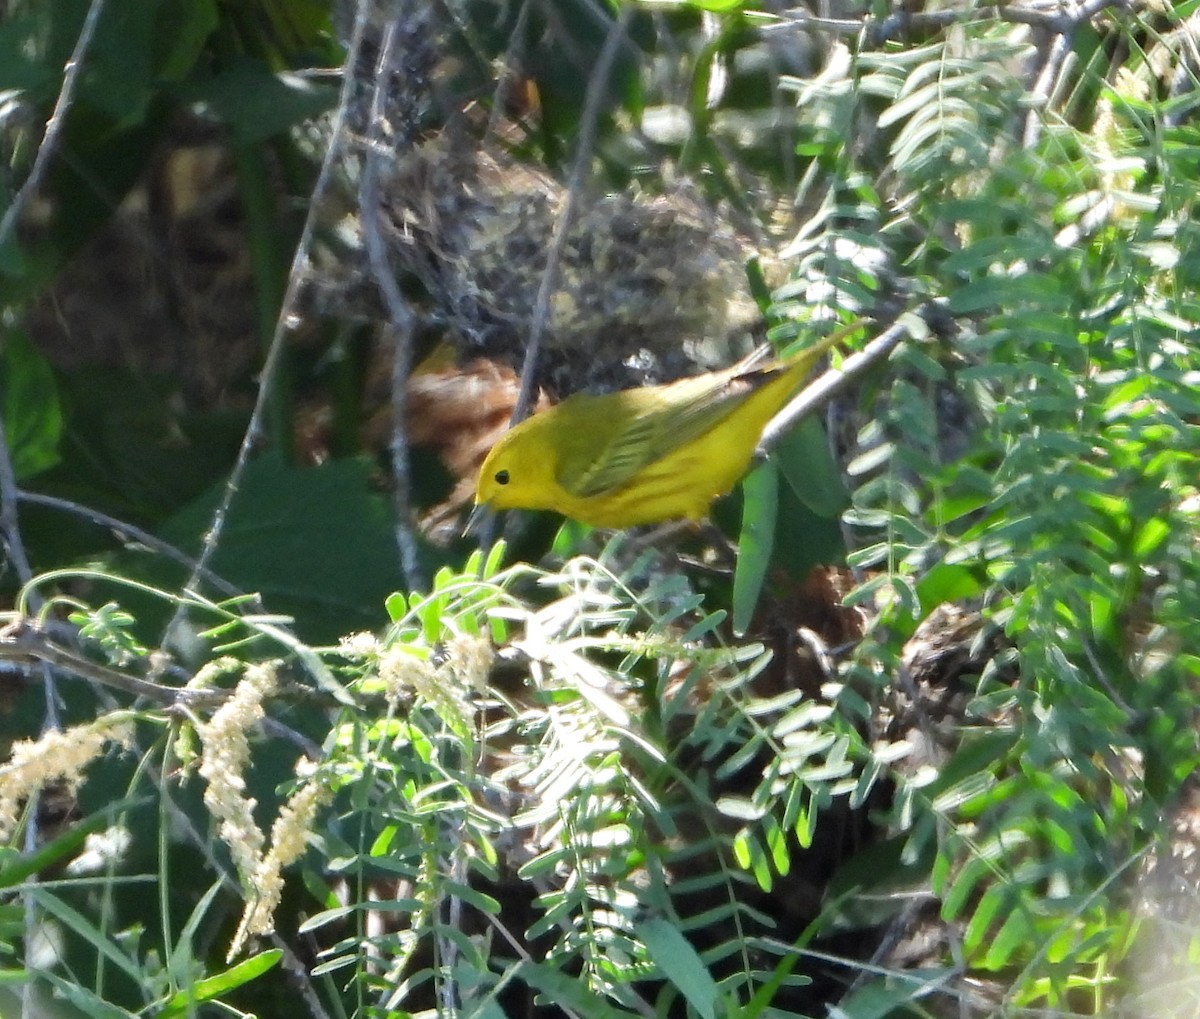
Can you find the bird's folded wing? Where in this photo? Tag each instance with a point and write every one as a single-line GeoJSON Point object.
{"type": "Point", "coordinates": [653, 423]}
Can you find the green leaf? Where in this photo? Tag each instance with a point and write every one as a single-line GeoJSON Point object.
{"type": "Point", "coordinates": [183, 31]}
{"type": "Point", "coordinates": [947, 583]}
{"type": "Point", "coordinates": [257, 104]}
{"type": "Point", "coordinates": [88, 932]}
{"type": "Point", "coordinates": [716, 6]}
{"type": "Point", "coordinates": [396, 605]}
{"type": "Point", "coordinates": [1149, 538]}
{"type": "Point", "coordinates": [481, 901]}
{"type": "Point", "coordinates": [757, 282]}
{"type": "Point", "coordinates": [991, 903]}
{"type": "Point", "coordinates": [1006, 291]}
{"type": "Point", "coordinates": [569, 992]}
{"type": "Point", "coordinates": [212, 987]}
{"type": "Point", "coordinates": [317, 543]}
{"type": "Point", "coordinates": [33, 421]}
{"type": "Point", "coordinates": [88, 1002]}
{"type": "Point", "coordinates": [570, 538]}
{"type": "Point", "coordinates": [119, 75]}
{"type": "Point", "coordinates": [761, 503]}
{"type": "Point", "coordinates": [807, 464]}
{"type": "Point", "coordinates": [182, 956]}
{"type": "Point", "coordinates": [1016, 935]}
{"type": "Point", "coordinates": [680, 964]}
{"type": "Point", "coordinates": [879, 999]}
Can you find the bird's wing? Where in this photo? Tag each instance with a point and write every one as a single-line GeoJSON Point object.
{"type": "Point", "coordinates": [652, 423]}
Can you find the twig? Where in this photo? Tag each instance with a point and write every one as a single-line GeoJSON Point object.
{"type": "Point", "coordinates": [254, 430]}
{"type": "Point", "coordinates": [1062, 19]}
{"type": "Point", "coordinates": [10, 539]}
{"type": "Point", "coordinates": [402, 320]}
{"type": "Point", "coordinates": [23, 643]}
{"type": "Point", "coordinates": [833, 382]}
{"type": "Point", "coordinates": [14, 548]}
{"type": "Point", "coordinates": [594, 95]}
{"type": "Point", "coordinates": [130, 532]}
{"type": "Point", "coordinates": [1060, 49]}
{"type": "Point", "coordinates": [583, 157]}
{"type": "Point", "coordinates": [54, 126]}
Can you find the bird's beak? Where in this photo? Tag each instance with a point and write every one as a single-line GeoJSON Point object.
{"type": "Point", "coordinates": [475, 522]}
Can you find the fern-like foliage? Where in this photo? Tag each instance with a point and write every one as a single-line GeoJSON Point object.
{"type": "Point", "coordinates": [599, 793]}
{"type": "Point", "coordinates": [1040, 468]}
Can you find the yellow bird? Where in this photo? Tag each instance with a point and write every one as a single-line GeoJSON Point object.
{"type": "Point", "coordinates": [640, 456]}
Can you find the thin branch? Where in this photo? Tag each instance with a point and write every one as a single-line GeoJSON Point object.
{"type": "Point", "coordinates": [254, 430]}
{"type": "Point", "coordinates": [401, 318]}
{"type": "Point", "coordinates": [589, 122]}
{"type": "Point", "coordinates": [54, 126]}
{"type": "Point", "coordinates": [129, 532]}
{"type": "Point", "coordinates": [9, 493]}
{"type": "Point", "coordinates": [1061, 19]}
{"type": "Point", "coordinates": [1060, 49]}
{"type": "Point", "coordinates": [14, 547]}
{"type": "Point", "coordinates": [24, 644]}
{"type": "Point", "coordinates": [834, 381]}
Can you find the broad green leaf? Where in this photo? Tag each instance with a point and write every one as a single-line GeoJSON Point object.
{"type": "Point", "coordinates": [396, 605]}
{"type": "Point", "coordinates": [756, 542]}
{"type": "Point", "coordinates": [1015, 936]}
{"type": "Point", "coordinates": [257, 104]}
{"type": "Point", "coordinates": [183, 31]}
{"type": "Point", "coordinates": [317, 543]}
{"type": "Point", "coordinates": [680, 964]}
{"type": "Point", "coordinates": [33, 421]}
{"type": "Point", "coordinates": [716, 6]}
{"type": "Point", "coordinates": [947, 583]}
{"type": "Point", "coordinates": [807, 464]}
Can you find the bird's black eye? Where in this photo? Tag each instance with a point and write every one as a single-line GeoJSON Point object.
{"type": "Point", "coordinates": [501, 477]}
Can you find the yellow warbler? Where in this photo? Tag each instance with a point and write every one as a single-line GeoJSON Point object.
{"type": "Point", "coordinates": [642, 455]}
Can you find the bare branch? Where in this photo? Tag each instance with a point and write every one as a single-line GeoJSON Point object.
{"type": "Point", "coordinates": [24, 644]}
{"type": "Point", "coordinates": [401, 318]}
{"type": "Point", "coordinates": [129, 532]}
{"type": "Point", "coordinates": [1062, 18]}
{"type": "Point", "coordinates": [254, 430]}
{"type": "Point", "coordinates": [833, 382]}
{"type": "Point", "coordinates": [583, 157]}
{"type": "Point", "coordinates": [54, 126]}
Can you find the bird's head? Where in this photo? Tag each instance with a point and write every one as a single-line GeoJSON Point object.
{"type": "Point", "coordinates": [518, 473]}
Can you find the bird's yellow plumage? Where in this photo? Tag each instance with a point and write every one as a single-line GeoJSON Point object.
{"type": "Point", "coordinates": [643, 455]}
